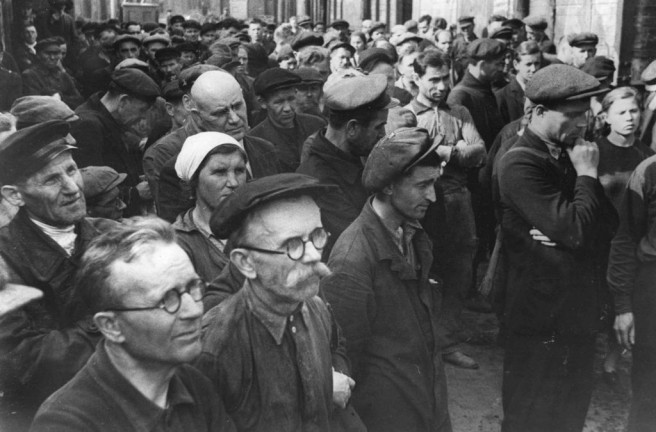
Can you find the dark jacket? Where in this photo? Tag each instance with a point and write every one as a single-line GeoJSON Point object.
{"type": "Point", "coordinates": [175, 196]}
{"type": "Point", "coordinates": [553, 290]}
{"type": "Point", "coordinates": [289, 142]}
{"type": "Point", "coordinates": [39, 80]}
{"type": "Point", "coordinates": [339, 207]}
{"type": "Point", "coordinates": [25, 57]}
{"type": "Point", "coordinates": [388, 311]}
{"type": "Point", "coordinates": [478, 98]}
{"type": "Point", "coordinates": [510, 100]}
{"type": "Point", "coordinates": [11, 88]}
{"type": "Point", "coordinates": [45, 343]}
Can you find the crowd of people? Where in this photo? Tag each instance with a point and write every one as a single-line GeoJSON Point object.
{"type": "Point", "coordinates": [237, 225]}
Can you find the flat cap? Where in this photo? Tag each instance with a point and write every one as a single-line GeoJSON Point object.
{"type": "Point", "coordinates": [513, 23]}
{"type": "Point", "coordinates": [100, 179]}
{"type": "Point", "coordinates": [285, 53]}
{"type": "Point", "coordinates": [376, 26]}
{"type": "Point", "coordinates": [340, 24]}
{"type": "Point", "coordinates": [191, 24]}
{"type": "Point", "coordinates": [28, 150]}
{"type": "Point", "coordinates": [357, 93]}
{"type": "Point", "coordinates": [370, 57]}
{"type": "Point", "coordinates": [502, 32]}
{"type": "Point", "coordinates": [275, 79]}
{"type": "Point", "coordinates": [177, 19]}
{"type": "Point", "coordinates": [192, 47]}
{"type": "Point", "coordinates": [309, 75]}
{"type": "Point", "coordinates": [408, 37]}
{"type": "Point", "coordinates": [306, 38]}
{"type": "Point", "coordinates": [394, 155]}
{"type": "Point", "coordinates": [648, 76]}
{"type": "Point", "coordinates": [167, 53]}
{"type": "Point", "coordinates": [466, 21]}
{"type": "Point", "coordinates": [230, 41]}
{"type": "Point", "coordinates": [157, 37]}
{"type": "Point", "coordinates": [411, 25]}
{"type": "Point", "coordinates": [336, 44]}
{"type": "Point", "coordinates": [136, 83]}
{"type": "Point", "coordinates": [536, 22]}
{"type": "Point", "coordinates": [46, 43]}
{"type": "Point", "coordinates": [486, 49]}
{"type": "Point", "coordinates": [246, 198]}
{"type": "Point", "coordinates": [31, 110]}
{"type": "Point", "coordinates": [599, 67]}
{"type": "Point", "coordinates": [302, 20]}
{"type": "Point", "coordinates": [126, 38]}
{"type": "Point", "coordinates": [559, 83]}
{"type": "Point", "coordinates": [580, 39]}
{"type": "Point", "coordinates": [172, 91]}
{"type": "Point", "coordinates": [207, 27]}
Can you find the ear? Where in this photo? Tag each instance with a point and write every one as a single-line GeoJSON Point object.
{"type": "Point", "coordinates": [352, 128]}
{"type": "Point", "coordinates": [387, 190]}
{"type": "Point", "coordinates": [109, 326]}
{"type": "Point", "coordinates": [262, 103]}
{"type": "Point", "coordinates": [244, 263]}
{"type": "Point", "coordinates": [415, 76]}
{"type": "Point", "coordinates": [169, 108]}
{"type": "Point", "coordinates": [515, 63]}
{"type": "Point", "coordinates": [187, 102]}
{"type": "Point", "coordinates": [12, 195]}
{"type": "Point", "coordinates": [123, 100]}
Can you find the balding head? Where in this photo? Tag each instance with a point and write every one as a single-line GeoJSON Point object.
{"type": "Point", "coordinates": [217, 104]}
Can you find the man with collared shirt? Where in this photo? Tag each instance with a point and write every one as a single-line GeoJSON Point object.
{"type": "Point", "coordinates": [26, 52]}
{"type": "Point", "coordinates": [527, 60]}
{"type": "Point", "coordinates": [358, 108]}
{"type": "Point", "coordinates": [272, 350]}
{"type": "Point", "coordinates": [463, 149]}
{"type": "Point", "coordinates": [283, 126]}
{"type": "Point", "coordinates": [145, 298]}
{"type": "Point", "coordinates": [381, 293]}
{"type": "Point", "coordinates": [44, 344]}
{"type": "Point", "coordinates": [554, 218]}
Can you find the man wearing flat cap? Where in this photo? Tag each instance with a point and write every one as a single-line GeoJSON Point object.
{"type": "Point", "coordinates": [272, 350]}
{"type": "Point", "coordinates": [104, 121]}
{"type": "Point", "coordinates": [462, 40]}
{"type": "Point", "coordinates": [378, 61]}
{"type": "Point", "coordinates": [554, 217]}
{"type": "Point", "coordinates": [127, 46]}
{"type": "Point", "coordinates": [283, 126]}
{"type": "Point", "coordinates": [101, 192]}
{"type": "Point", "coordinates": [535, 31]}
{"type": "Point", "coordinates": [381, 293]}
{"type": "Point", "coordinates": [357, 114]}
{"type": "Point", "coordinates": [43, 344]}
{"type": "Point", "coordinates": [582, 47]}
{"type": "Point", "coordinates": [648, 119]}
{"type": "Point", "coordinates": [309, 92]}
{"type": "Point", "coordinates": [46, 77]}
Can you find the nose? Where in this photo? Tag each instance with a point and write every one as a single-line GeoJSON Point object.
{"type": "Point", "coordinates": [311, 254]}
{"type": "Point", "coordinates": [70, 185]}
{"type": "Point", "coordinates": [120, 204]}
{"type": "Point", "coordinates": [189, 308]}
{"type": "Point", "coordinates": [430, 194]}
{"type": "Point", "coordinates": [233, 116]}
{"type": "Point", "coordinates": [232, 180]}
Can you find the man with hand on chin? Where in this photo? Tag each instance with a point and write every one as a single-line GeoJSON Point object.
{"type": "Point", "coordinates": [554, 215]}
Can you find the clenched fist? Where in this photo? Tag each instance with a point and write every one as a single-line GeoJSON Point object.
{"type": "Point", "coordinates": [585, 157]}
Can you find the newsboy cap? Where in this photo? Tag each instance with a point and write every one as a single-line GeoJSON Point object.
{"type": "Point", "coordinates": [559, 83]}
{"type": "Point", "coordinates": [47, 43]}
{"type": "Point", "coordinates": [581, 39]}
{"type": "Point", "coordinates": [502, 32]}
{"type": "Point", "coordinates": [465, 21]}
{"type": "Point", "coordinates": [167, 53]}
{"type": "Point", "coordinates": [191, 24]}
{"type": "Point", "coordinates": [31, 110]}
{"type": "Point", "coordinates": [486, 49]}
{"type": "Point", "coordinates": [303, 20]}
{"type": "Point", "coordinates": [306, 38]}
{"type": "Point", "coordinates": [370, 57]}
{"type": "Point", "coordinates": [536, 22]}
{"type": "Point", "coordinates": [376, 26]}
{"type": "Point", "coordinates": [28, 150]}
{"type": "Point", "coordinates": [172, 92]}
{"type": "Point", "coordinates": [177, 19]}
{"type": "Point", "coordinates": [513, 23]}
{"type": "Point", "coordinates": [648, 76]}
{"type": "Point", "coordinates": [309, 75]}
{"type": "Point", "coordinates": [275, 79]}
{"type": "Point", "coordinates": [336, 44]}
{"type": "Point", "coordinates": [246, 198]}
{"type": "Point", "coordinates": [599, 67]}
{"type": "Point", "coordinates": [125, 38]}
{"type": "Point", "coordinates": [100, 179]}
{"type": "Point", "coordinates": [157, 37]}
{"type": "Point", "coordinates": [395, 154]}
{"type": "Point", "coordinates": [135, 83]}
{"type": "Point", "coordinates": [358, 93]}
{"type": "Point", "coordinates": [408, 37]}
{"type": "Point", "coordinates": [340, 24]}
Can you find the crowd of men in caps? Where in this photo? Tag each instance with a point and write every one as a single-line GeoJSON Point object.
{"type": "Point", "coordinates": [241, 226]}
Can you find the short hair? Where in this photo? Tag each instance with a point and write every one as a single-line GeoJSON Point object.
{"type": "Point", "coordinates": [124, 243]}
{"type": "Point", "coordinates": [255, 21]}
{"type": "Point", "coordinates": [440, 23]}
{"type": "Point", "coordinates": [430, 58]}
{"type": "Point", "coordinates": [360, 35]}
{"type": "Point", "coordinates": [612, 97]}
{"type": "Point", "coordinates": [229, 23]}
{"type": "Point", "coordinates": [425, 18]}
{"type": "Point", "coordinates": [527, 48]}
{"type": "Point", "coordinates": [338, 119]}
{"type": "Point", "coordinates": [311, 55]}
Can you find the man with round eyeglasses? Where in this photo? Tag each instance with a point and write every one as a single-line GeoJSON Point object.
{"type": "Point", "coordinates": [146, 300]}
{"type": "Point", "coordinates": [272, 349]}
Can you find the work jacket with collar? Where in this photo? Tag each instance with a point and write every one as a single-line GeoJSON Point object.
{"type": "Point", "coordinates": [510, 100]}
{"type": "Point", "coordinates": [45, 343]}
{"type": "Point", "coordinates": [388, 311]}
{"type": "Point", "coordinates": [552, 290]}
{"type": "Point", "coordinates": [42, 81]}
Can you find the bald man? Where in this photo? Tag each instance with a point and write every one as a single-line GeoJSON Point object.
{"type": "Point", "coordinates": [215, 103]}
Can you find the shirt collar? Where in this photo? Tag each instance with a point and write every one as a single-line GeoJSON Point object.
{"type": "Point", "coordinates": [418, 107]}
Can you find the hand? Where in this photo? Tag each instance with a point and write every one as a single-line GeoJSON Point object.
{"type": "Point", "coordinates": [342, 386]}
{"type": "Point", "coordinates": [144, 191]}
{"type": "Point", "coordinates": [460, 145]}
{"type": "Point", "coordinates": [444, 152]}
{"type": "Point", "coordinates": [585, 157]}
{"type": "Point", "coordinates": [538, 236]}
{"type": "Point", "coordinates": [625, 329]}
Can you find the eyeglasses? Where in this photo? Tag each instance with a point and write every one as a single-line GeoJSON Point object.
{"type": "Point", "coordinates": [295, 247]}
{"type": "Point", "coordinates": [173, 298]}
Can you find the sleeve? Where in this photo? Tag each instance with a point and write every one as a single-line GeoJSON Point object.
{"type": "Point", "coordinates": [72, 96]}
{"type": "Point", "coordinates": [503, 106]}
{"type": "Point", "coordinates": [474, 154]}
{"type": "Point", "coordinates": [228, 282]}
{"type": "Point", "coordinates": [88, 136]}
{"type": "Point", "coordinates": [172, 199]}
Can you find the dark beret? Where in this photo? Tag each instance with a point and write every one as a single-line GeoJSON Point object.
{"type": "Point", "coordinates": [580, 39]}
{"type": "Point", "coordinates": [275, 79]}
{"type": "Point", "coordinates": [100, 179]}
{"type": "Point", "coordinates": [136, 83]}
{"type": "Point", "coordinates": [648, 76]}
{"type": "Point", "coordinates": [191, 24]}
{"type": "Point", "coordinates": [513, 23]}
{"type": "Point", "coordinates": [177, 19]}
{"type": "Point", "coordinates": [306, 38]}
{"type": "Point", "coordinates": [536, 22]}
{"type": "Point", "coordinates": [394, 155]}
{"type": "Point", "coordinates": [167, 53]}
{"type": "Point", "coordinates": [377, 25]}
{"type": "Point", "coordinates": [236, 207]}
{"type": "Point", "coordinates": [336, 44]}
{"type": "Point", "coordinates": [309, 75]}
{"type": "Point", "coordinates": [126, 37]}
{"type": "Point", "coordinates": [172, 91]}
{"type": "Point", "coordinates": [370, 57]}
{"type": "Point", "coordinates": [207, 27]}
{"type": "Point", "coordinates": [28, 150]}
{"type": "Point", "coordinates": [599, 67]}
{"type": "Point", "coordinates": [157, 37]}
{"type": "Point", "coordinates": [502, 32]}
{"type": "Point", "coordinates": [358, 93]}
{"type": "Point", "coordinates": [89, 27]}
{"type": "Point", "coordinates": [559, 83]}
{"type": "Point", "coordinates": [466, 20]}
{"type": "Point", "coordinates": [340, 24]}
{"type": "Point", "coordinates": [486, 49]}
{"type": "Point", "coordinates": [46, 43]}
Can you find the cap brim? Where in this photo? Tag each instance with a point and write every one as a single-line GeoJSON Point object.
{"type": "Point", "coordinates": [15, 296]}
{"type": "Point", "coordinates": [588, 94]}
{"type": "Point", "coordinates": [393, 103]}
{"type": "Point", "coordinates": [431, 149]}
